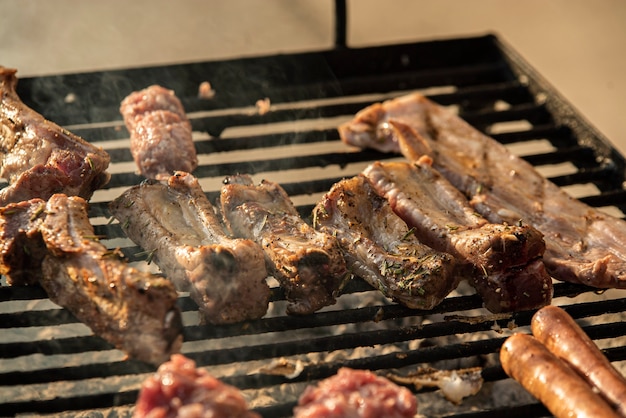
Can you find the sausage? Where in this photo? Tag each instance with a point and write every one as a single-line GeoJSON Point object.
{"type": "Point", "coordinates": [558, 331]}
{"type": "Point", "coordinates": [551, 380]}
{"type": "Point", "coordinates": [160, 133]}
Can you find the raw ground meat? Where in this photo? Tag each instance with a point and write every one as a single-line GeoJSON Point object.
{"type": "Point", "coordinates": [179, 389]}
{"type": "Point", "coordinates": [356, 394]}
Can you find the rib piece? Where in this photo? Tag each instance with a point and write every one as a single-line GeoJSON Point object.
{"type": "Point", "coordinates": [135, 311]}
{"type": "Point", "coordinates": [160, 132]}
{"type": "Point", "coordinates": [356, 394]}
{"type": "Point", "coordinates": [178, 226]}
{"type": "Point", "coordinates": [307, 263]}
{"type": "Point", "coordinates": [38, 157]}
{"type": "Point", "coordinates": [21, 247]}
{"type": "Point", "coordinates": [583, 244]}
{"type": "Point", "coordinates": [180, 389]}
{"type": "Point", "coordinates": [509, 274]}
{"type": "Point", "coordinates": [380, 248]}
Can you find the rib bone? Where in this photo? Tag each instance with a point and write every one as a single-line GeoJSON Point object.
{"type": "Point", "coordinates": [583, 244]}
{"type": "Point", "coordinates": [178, 226]}
{"type": "Point", "coordinates": [380, 248]}
{"type": "Point", "coordinates": [508, 271]}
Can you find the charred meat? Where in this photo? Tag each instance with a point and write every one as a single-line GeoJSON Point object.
{"type": "Point", "coordinates": [354, 394]}
{"type": "Point", "coordinates": [180, 389]}
{"type": "Point", "coordinates": [38, 157]}
{"type": "Point", "coordinates": [135, 311]}
{"type": "Point", "coordinates": [583, 244]}
{"type": "Point", "coordinates": [508, 272]}
{"type": "Point", "coordinates": [160, 132]}
{"type": "Point", "coordinates": [307, 263]}
{"type": "Point", "coordinates": [180, 229]}
{"type": "Point", "coordinates": [21, 247]}
{"type": "Point", "coordinates": [380, 248]}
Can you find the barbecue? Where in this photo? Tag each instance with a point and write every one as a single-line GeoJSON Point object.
{"type": "Point", "coordinates": [583, 245]}
{"type": "Point", "coordinates": [308, 264]}
{"type": "Point", "coordinates": [179, 389]}
{"type": "Point", "coordinates": [381, 249]}
{"type": "Point", "coordinates": [356, 393]}
{"type": "Point", "coordinates": [160, 133]}
{"type": "Point", "coordinates": [506, 259]}
{"type": "Point", "coordinates": [39, 158]}
{"type": "Point", "coordinates": [50, 362]}
{"type": "Point", "coordinates": [179, 227]}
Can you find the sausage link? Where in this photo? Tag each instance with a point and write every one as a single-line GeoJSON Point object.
{"type": "Point", "coordinates": [551, 380]}
{"type": "Point", "coordinates": [558, 331]}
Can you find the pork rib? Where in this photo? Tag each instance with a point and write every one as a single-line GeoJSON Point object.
{"type": "Point", "coordinates": [509, 274]}
{"type": "Point", "coordinates": [583, 244]}
{"type": "Point", "coordinates": [21, 247]}
{"type": "Point", "coordinates": [38, 157]}
{"type": "Point", "coordinates": [380, 248]}
{"type": "Point", "coordinates": [307, 263]}
{"type": "Point", "coordinates": [179, 227]}
{"type": "Point", "coordinates": [135, 311]}
{"type": "Point", "coordinates": [160, 132]}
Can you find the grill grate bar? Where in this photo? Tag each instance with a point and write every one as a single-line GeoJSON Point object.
{"type": "Point", "coordinates": [389, 361]}
{"type": "Point", "coordinates": [336, 342]}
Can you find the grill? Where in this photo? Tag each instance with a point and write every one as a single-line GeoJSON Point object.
{"type": "Point", "coordinates": [51, 364]}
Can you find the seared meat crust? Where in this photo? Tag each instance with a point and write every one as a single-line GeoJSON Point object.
{"type": "Point", "coordinates": [380, 248]}
{"type": "Point", "coordinates": [20, 229]}
{"type": "Point", "coordinates": [583, 244]}
{"type": "Point", "coordinates": [443, 220]}
{"type": "Point", "coordinates": [134, 310]}
{"type": "Point", "coordinates": [307, 263]}
{"type": "Point", "coordinates": [38, 157]}
{"type": "Point", "coordinates": [180, 229]}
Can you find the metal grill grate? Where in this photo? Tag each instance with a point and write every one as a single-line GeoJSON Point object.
{"type": "Point", "coordinates": [49, 363]}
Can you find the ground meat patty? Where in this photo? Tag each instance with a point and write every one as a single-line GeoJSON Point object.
{"type": "Point", "coordinates": [356, 394]}
{"type": "Point", "coordinates": [179, 389]}
{"type": "Point", "coordinates": [160, 132]}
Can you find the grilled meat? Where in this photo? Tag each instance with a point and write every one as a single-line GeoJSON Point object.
{"type": "Point", "coordinates": [583, 244]}
{"type": "Point", "coordinates": [380, 248]}
{"type": "Point", "coordinates": [179, 227]}
{"type": "Point", "coordinates": [307, 263]}
{"type": "Point", "coordinates": [134, 310]}
{"type": "Point", "coordinates": [38, 157]}
{"type": "Point", "coordinates": [180, 389]}
{"type": "Point", "coordinates": [21, 247]}
{"type": "Point", "coordinates": [354, 394]}
{"type": "Point", "coordinates": [160, 132]}
{"type": "Point", "coordinates": [550, 380]}
{"type": "Point", "coordinates": [508, 271]}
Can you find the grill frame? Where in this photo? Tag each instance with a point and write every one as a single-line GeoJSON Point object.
{"type": "Point", "coordinates": [481, 70]}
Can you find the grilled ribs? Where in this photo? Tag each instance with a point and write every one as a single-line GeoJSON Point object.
{"type": "Point", "coordinates": [160, 132]}
{"type": "Point", "coordinates": [135, 311]}
{"type": "Point", "coordinates": [179, 227]}
{"type": "Point", "coordinates": [21, 247]}
{"type": "Point", "coordinates": [380, 248]}
{"type": "Point", "coordinates": [583, 244]}
{"type": "Point", "coordinates": [508, 271]}
{"type": "Point", "coordinates": [308, 264]}
{"type": "Point", "coordinates": [38, 157]}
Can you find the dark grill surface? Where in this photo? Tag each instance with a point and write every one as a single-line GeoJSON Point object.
{"type": "Point", "coordinates": [50, 364]}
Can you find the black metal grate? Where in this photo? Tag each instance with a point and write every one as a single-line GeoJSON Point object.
{"type": "Point", "coordinates": [51, 364]}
